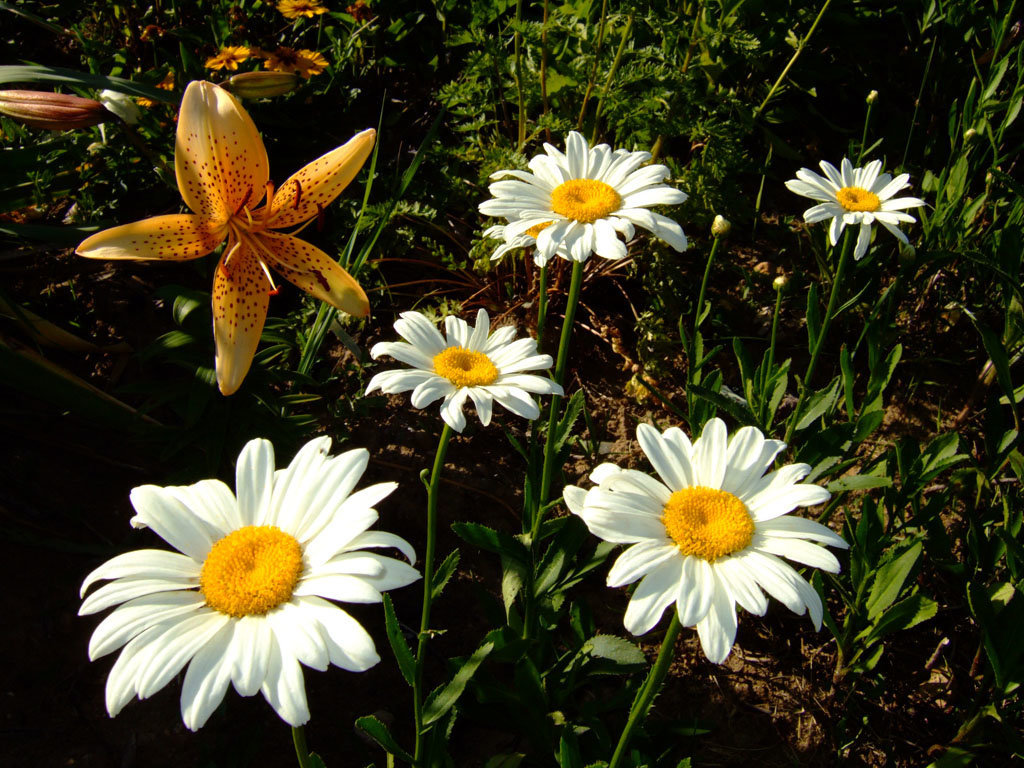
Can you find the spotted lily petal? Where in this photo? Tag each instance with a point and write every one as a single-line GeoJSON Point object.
{"type": "Point", "coordinates": [177, 237]}
{"type": "Point", "coordinates": [219, 157]}
{"type": "Point", "coordinates": [241, 294]}
{"type": "Point", "coordinates": [314, 186]}
{"type": "Point", "coordinates": [313, 271]}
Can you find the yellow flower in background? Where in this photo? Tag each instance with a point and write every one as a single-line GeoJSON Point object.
{"type": "Point", "coordinates": [229, 57]}
{"type": "Point", "coordinates": [304, 62]}
{"type": "Point", "coordinates": [294, 9]}
{"type": "Point", "coordinates": [223, 174]}
{"type": "Point", "coordinates": [167, 84]}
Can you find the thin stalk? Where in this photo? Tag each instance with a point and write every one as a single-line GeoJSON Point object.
{"type": "Point", "coordinates": [864, 134]}
{"type": "Point", "coordinates": [428, 580]}
{"type": "Point", "coordinates": [652, 685]}
{"type": "Point", "coordinates": [544, 69]}
{"type": "Point", "coordinates": [521, 120]}
{"type": "Point", "coordinates": [704, 286]}
{"type": "Point", "coordinates": [760, 190]}
{"type": "Point", "coordinates": [593, 71]}
{"type": "Point", "coordinates": [849, 238]}
{"type": "Point", "coordinates": [550, 451]}
{"type": "Point", "coordinates": [542, 304]}
{"type": "Point", "coordinates": [770, 361]}
{"type": "Point", "coordinates": [690, 45]}
{"type": "Point", "coordinates": [610, 78]}
{"type": "Point", "coordinates": [917, 101]}
{"type": "Point", "coordinates": [301, 750]}
{"type": "Point", "coordinates": [792, 60]}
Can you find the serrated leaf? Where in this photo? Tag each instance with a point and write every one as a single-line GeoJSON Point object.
{"type": "Point", "coordinates": [403, 655]}
{"type": "Point", "coordinates": [889, 580]}
{"type": "Point", "coordinates": [904, 615]}
{"type": "Point", "coordinates": [491, 540]}
{"type": "Point", "coordinates": [443, 699]}
{"type": "Point", "coordinates": [859, 483]}
{"type": "Point", "coordinates": [818, 404]}
{"type": "Point", "coordinates": [615, 649]}
{"type": "Point", "coordinates": [444, 573]}
{"type": "Point", "coordinates": [379, 732]}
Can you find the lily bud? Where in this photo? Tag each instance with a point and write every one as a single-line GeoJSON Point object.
{"type": "Point", "coordinates": [720, 226]}
{"type": "Point", "coordinates": [872, 97]}
{"type": "Point", "coordinates": [261, 85]}
{"type": "Point", "coordinates": [52, 111]}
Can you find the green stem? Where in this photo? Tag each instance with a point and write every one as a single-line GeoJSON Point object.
{"type": "Point", "coordinates": [770, 362]}
{"type": "Point", "coordinates": [693, 362]}
{"type": "Point", "coordinates": [796, 55]}
{"type": "Point", "coordinates": [301, 750]}
{"type": "Point", "coordinates": [428, 583]}
{"type": "Point", "coordinates": [864, 134]}
{"type": "Point", "coordinates": [521, 121]}
{"type": "Point", "coordinates": [593, 72]}
{"type": "Point", "coordinates": [610, 78]}
{"type": "Point", "coordinates": [542, 304]}
{"type": "Point", "coordinates": [652, 685]}
{"type": "Point", "coordinates": [849, 238]}
{"type": "Point", "coordinates": [550, 453]}
{"type": "Point", "coordinates": [691, 43]}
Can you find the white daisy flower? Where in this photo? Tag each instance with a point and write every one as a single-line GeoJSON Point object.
{"type": "Point", "coordinates": [578, 203]}
{"type": "Point", "coordinates": [472, 363]}
{"type": "Point", "coordinates": [855, 196]}
{"type": "Point", "coordinates": [247, 600]}
{"type": "Point", "coordinates": [709, 534]}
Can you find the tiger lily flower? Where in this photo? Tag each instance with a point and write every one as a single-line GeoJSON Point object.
{"type": "Point", "coordinates": [223, 174]}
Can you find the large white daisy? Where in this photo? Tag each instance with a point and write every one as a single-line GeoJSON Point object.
{"type": "Point", "coordinates": [708, 535]}
{"type": "Point", "coordinates": [472, 363]}
{"type": "Point", "coordinates": [578, 203]}
{"type": "Point", "coordinates": [855, 197]}
{"type": "Point", "coordinates": [246, 601]}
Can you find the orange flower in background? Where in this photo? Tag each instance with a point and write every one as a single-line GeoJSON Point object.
{"type": "Point", "coordinates": [294, 9]}
{"type": "Point", "coordinates": [359, 11]}
{"type": "Point", "coordinates": [229, 57]}
{"type": "Point", "coordinates": [305, 62]}
{"type": "Point", "coordinates": [222, 171]}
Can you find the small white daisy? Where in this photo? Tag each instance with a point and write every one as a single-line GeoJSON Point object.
{"type": "Point", "coordinates": [578, 203]}
{"type": "Point", "coordinates": [245, 601]}
{"type": "Point", "coordinates": [709, 534]}
{"type": "Point", "coordinates": [855, 196]}
{"type": "Point", "coordinates": [527, 239]}
{"type": "Point", "coordinates": [473, 363]}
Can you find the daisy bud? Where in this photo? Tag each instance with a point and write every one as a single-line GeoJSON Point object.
{"type": "Point", "coordinates": [262, 85]}
{"type": "Point", "coordinates": [720, 226]}
{"type": "Point", "coordinates": [969, 134]}
{"type": "Point", "coordinates": [52, 111]}
{"type": "Point", "coordinates": [120, 104]}
{"type": "Point", "coordinates": [872, 97]}
{"type": "Point", "coordinates": [780, 282]}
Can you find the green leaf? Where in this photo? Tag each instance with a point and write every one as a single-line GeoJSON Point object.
{"type": "Point", "coordinates": [818, 404]}
{"type": "Point", "coordinates": [17, 73]}
{"type": "Point", "coordinates": [513, 579]}
{"type": "Point", "coordinates": [846, 365]}
{"type": "Point", "coordinates": [614, 649]}
{"type": "Point", "coordinates": [491, 540]}
{"type": "Point", "coordinates": [444, 573]}
{"type": "Point", "coordinates": [403, 655]}
{"type": "Point", "coordinates": [315, 761]}
{"type": "Point", "coordinates": [569, 752]}
{"type": "Point", "coordinates": [813, 316]}
{"type": "Point", "coordinates": [440, 701]}
{"type": "Point", "coordinates": [859, 483]}
{"type": "Point", "coordinates": [889, 580]}
{"type": "Point", "coordinates": [904, 615]}
{"type": "Point", "coordinates": [379, 732]}
{"type": "Point", "coordinates": [739, 411]}
{"type": "Point", "coordinates": [505, 761]}
{"type": "Point", "coordinates": [573, 409]}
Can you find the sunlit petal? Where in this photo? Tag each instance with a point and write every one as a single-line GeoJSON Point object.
{"type": "Point", "coordinates": [177, 237]}
{"type": "Point", "coordinates": [241, 295]}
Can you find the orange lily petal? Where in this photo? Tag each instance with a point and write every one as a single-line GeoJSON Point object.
{"type": "Point", "coordinates": [219, 157]}
{"type": "Point", "coordinates": [317, 184]}
{"type": "Point", "coordinates": [313, 271]}
{"type": "Point", "coordinates": [178, 237]}
{"type": "Point", "coordinates": [241, 295]}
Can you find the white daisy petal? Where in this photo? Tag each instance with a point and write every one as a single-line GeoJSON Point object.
{"type": "Point", "coordinates": [696, 590]}
{"type": "Point", "coordinates": [206, 680]}
{"type": "Point", "coordinates": [251, 654]}
{"type": "Point", "coordinates": [638, 560]}
{"type": "Point", "coordinates": [146, 563]}
{"type": "Point", "coordinates": [652, 596]}
{"type": "Point", "coordinates": [661, 457]}
{"type": "Point", "coordinates": [177, 646]}
{"type": "Point", "coordinates": [284, 688]}
{"type": "Point", "coordinates": [298, 634]}
{"type": "Point", "coordinates": [741, 586]}
{"type": "Point", "coordinates": [709, 454]}
{"type": "Point", "coordinates": [349, 645]}
{"type": "Point", "coordinates": [891, 188]}
{"type": "Point", "coordinates": [137, 615]}
{"type": "Point", "coordinates": [717, 630]}
{"type": "Point", "coordinates": [254, 481]}
{"type": "Point", "coordinates": [863, 240]}
{"type": "Point", "coordinates": [790, 527]}
{"type": "Point", "coordinates": [799, 551]}
{"type": "Point", "coordinates": [172, 521]}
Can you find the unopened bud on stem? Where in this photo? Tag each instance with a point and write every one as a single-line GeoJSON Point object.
{"type": "Point", "coordinates": [872, 97]}
{"type": "Point", "coordinates": [720, 226]}
{"type": "Point", "coordinates": [261, 85]}
{"type": "Point", "coordinates": [52, 111]}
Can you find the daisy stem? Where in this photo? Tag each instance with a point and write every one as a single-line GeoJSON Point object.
{"type": "Point", "coordinates": [796, 55]}
{"type": "Point", "coordinates": [819, 343]}
{"type": "Point", "coordinates": [428, 583]}
{"type": "Point", "coordinates": [521, 120]}
{"type": "Point", "coordinates": [542, 304]}
{"type": "Point", "coordinates": [301, 750]}
{"type": "Point", "coordinates": [550, 450]}
{"type": "Point", "coordinates": [770, 361]}
{"type": "Point", "coordinates": [700, 296]}
{"type": "Point", "coordinates": [650, 689]}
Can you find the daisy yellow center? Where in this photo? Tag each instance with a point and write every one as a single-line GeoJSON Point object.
{"type": "Point", "coordinates": [857, 199]}
{"type": "Point", "coordinates": [251, 571]}
{"type": "Point", "coordinates": [536, 229]}
{"type": "Point", "coordinates": [464, 367]}
{"type": "Point", "coordinates": [707, 523]}
{"type": "Point", "coordinates": [585, 200]}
